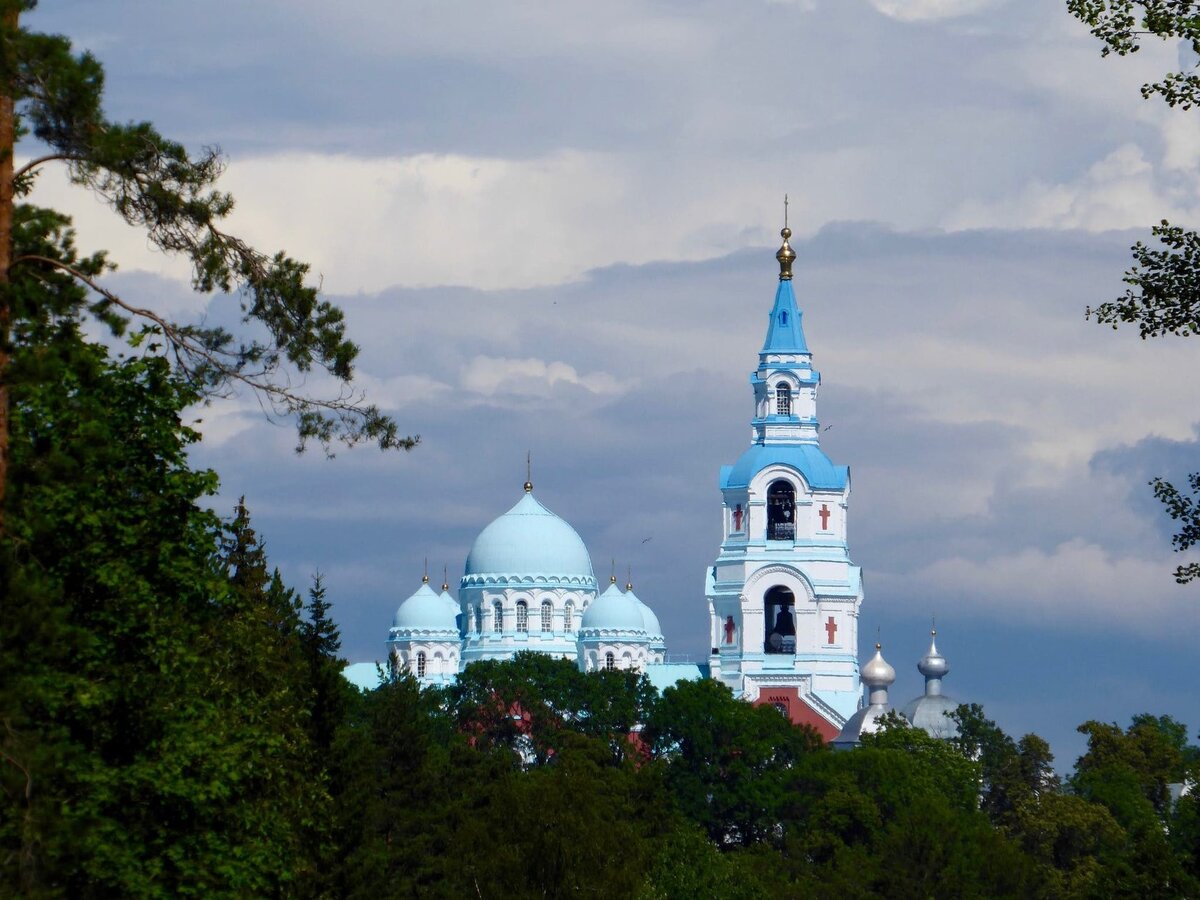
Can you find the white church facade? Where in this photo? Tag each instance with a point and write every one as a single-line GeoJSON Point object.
{"type": "Point", "coordinates": [783, 596]}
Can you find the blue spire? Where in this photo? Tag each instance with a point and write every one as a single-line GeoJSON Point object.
{"type": "Point", "coordinates": [784, 331]}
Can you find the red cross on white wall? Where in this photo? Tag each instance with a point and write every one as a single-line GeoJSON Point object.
{"type": "Point", "coordinates": [830, 630]}
{"type": "Point", "coordinates": [824, 514]}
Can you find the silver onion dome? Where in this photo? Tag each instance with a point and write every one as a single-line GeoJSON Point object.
{"type": "Point", "coordinates": [929, 711]}
{"type": "Point", "coordinates": [877, 675]}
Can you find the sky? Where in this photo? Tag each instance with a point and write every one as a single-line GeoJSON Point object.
{"type": "Point", "coordinates": [552, 227]}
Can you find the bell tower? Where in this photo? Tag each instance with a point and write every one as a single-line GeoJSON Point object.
{"type": "Point", "coordinates": [783, 596]}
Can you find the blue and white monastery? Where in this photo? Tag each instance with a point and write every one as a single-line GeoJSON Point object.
{"type": "Point", "coordinates": [783, 595]}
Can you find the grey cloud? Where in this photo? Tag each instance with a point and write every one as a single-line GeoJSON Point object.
{"type": "Point", "coordinates": [1137, 464]}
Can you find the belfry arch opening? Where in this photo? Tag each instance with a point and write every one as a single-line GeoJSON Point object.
{"type": "Point", "coordinates": [783, 400]}
{"type": "Point", "coordinates": [781, 512]}
{"type": "Point", "coordinates": [779, 609]}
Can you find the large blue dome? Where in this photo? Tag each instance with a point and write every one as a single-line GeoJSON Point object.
{"type": "Point", "coordinates": [529, 544]}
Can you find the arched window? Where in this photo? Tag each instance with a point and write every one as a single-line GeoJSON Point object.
{"type": "Point", "coordinates": [522, 617]}
{"type": "Point", "coordinates": [498, 617]}
{"type": "Point", "coordinates": [781, 512]}
{"type": "Point", "coordinates": [783, 400]}
{"type": "Point", "coordinates": [610, 661]}
{"type": "Point", "coordinates": [778, 616]}
{"type": "Point", "coordinates": [479, 619]}
{"type": "Point", "coordinates": [569, 616]}
{"type": "Point", "coordinates": [420, 665]}
{"type": "Point", "coordinates": [547, 616]}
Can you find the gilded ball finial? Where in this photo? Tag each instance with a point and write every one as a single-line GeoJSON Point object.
{"type": "Point", "coordinates": [424, 579]}
{"type": "Point", "coordinates": [612, 579]}
{"type": "Point", "coordinates": [878, 646]}
{"type": "Point", "coordinates": [786, 255]}
{"type": "Point", "coordinates": [529, 487]}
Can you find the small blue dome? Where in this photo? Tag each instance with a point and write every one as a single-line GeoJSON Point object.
{"type": "Point", "coordinates": [614, 611]}
{"type": "Point", "coordinates": [426, 611]}
{"type": "Point", "coordinates": [648, 617]}
{"type": "Point", "coordinates": [529, 543]}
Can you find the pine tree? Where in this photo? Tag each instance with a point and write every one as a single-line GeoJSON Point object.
{"type": "Point", "coordinates": [49, 92]}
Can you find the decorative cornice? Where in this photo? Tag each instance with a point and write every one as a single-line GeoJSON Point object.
{"type": "Point", "coordinates": [498, 579]}
{"type": "Point", "coordinates": [628, 634]}
{"type": "Point", "coordinates": [395, 634]}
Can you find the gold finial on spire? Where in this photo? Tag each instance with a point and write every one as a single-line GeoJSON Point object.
{"type": "Point", "coordinates": [528, 472]}
{"type": "Point", "coordinates": [425, 576]}
{"type": "Point", "coordinates": [445, 578]}
{"type": "Point", "coordinates": [629, 578]}
{"type": "Point", "coordinates": [786, 254]}
{"type": "Point", "coordinates": [612, 579]}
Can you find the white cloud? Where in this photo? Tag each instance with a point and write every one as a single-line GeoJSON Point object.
{"type": "Point", "coordinates": [1121, 190]}
{"type": "Point", "coordinates": [927, 10]}
{"type": "Point", "coordinates": [532, 377]}
{"type": "Point", "coordinates": [1075, 583]}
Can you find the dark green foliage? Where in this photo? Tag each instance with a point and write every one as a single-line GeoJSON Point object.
{"type": "Point", "coordinates": [151, 745]}
{"type": "Point", "coordinates": [1163, 296]}
{"type": "Point", "coordinates": [527, 704]}
{"type": "Point", "coordinates": [329, 693]}
{"type": "Point", "coordinates": [1012, 774]}
{"type": "Point", "coordinates": [726, 760]}
{"type": "Point", "coordinates": [1186, 511]}
{"type": "Point", "coordinates": [1121, 25]}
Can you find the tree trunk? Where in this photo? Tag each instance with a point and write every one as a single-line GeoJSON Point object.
{"type": "Point", "coordinates": [8, 28]}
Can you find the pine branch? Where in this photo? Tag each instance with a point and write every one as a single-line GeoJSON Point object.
{"type": "Point", "coordinates": [207, 364]}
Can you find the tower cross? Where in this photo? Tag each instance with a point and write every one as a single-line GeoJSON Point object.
{"type": "Point", "coordinates": [824, 514]}
{"type": "Point", "coordinates": [830, 630]}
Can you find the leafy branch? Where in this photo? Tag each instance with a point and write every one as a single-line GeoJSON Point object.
{"type": "Point", "coordinates": [1185, 510]}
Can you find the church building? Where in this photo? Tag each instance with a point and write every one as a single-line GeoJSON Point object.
{"type": "Point", "coordinates": [783, 596]}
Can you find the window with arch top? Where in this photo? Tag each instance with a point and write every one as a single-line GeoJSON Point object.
{"type": "Point", "coordinates": [781, 511]}
{"type": "Point", "coordinates": [498, 617]}
{"type": "Point", "coordinates": [569, 616]}
{"type": "Point", "coordinates": [420, 665]}
{"type": "Point", "coordinates": [610, 661]}
{"type": "Point", "coordinates": [779, 604]}
{"type": "Point", "coordinates": [547, 616]}
{"type": "Point", "coordinates": [522, 616]}
{"type": "Point", "coordinates": [783, 400]}
{"type": "Point", "coordinates": [479, 619]}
